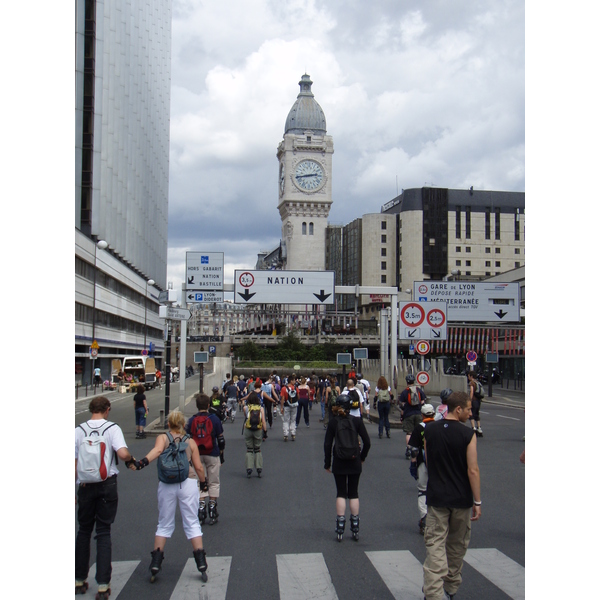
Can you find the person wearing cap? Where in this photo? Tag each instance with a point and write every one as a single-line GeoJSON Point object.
{"type": "Point", "coordinates": [418, 468]}
{"type": "Point", "coordinates": [453, 497]}
{"type": "Point", "coordinates": [410, 401]}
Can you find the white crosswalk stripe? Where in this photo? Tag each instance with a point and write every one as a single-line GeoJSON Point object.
{"type": "Point", "coordinates": [191, 587]}
{"type": "Point", "coordinates": [503, 572]}
{"type": "Point", "coordinates": [306, 576]}
{"type": "Point", "coordinates": [401, 572]}
{"type": "Point", "coordinates": [121, 572]}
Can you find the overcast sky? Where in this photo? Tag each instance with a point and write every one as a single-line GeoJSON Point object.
{"type": "Point", "coordinates": [415, 93]}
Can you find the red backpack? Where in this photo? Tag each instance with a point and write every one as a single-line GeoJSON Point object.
{"type": "Point", "coordinates": [201, 431]}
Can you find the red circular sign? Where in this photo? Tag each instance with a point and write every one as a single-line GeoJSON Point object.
{"type": "Point", "coordinates": [422, 378]}
{"type": "Point", "coordinates": [423, 347]}
{"type": "Point", "coordinates": [246, 279]}
{"type": "Point", "coordinates": [412, 314]}
{"type": "Point", "coordinates": [436, 317]}
{"type": "Point", "coordinates": [471, 356]}
{"type": "Point", "coordinates": [422, 289]}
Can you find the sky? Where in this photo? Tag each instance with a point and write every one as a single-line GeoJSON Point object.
{"type": "Point", "coordinates": [414, 93]}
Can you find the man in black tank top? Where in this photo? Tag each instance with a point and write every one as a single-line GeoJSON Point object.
{"type": "Point", "coordinates": [453, 497]}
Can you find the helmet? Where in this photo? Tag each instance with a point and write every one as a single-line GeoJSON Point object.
{"type": "Point", "coordinates": [444, 395]}
{"type": "Point", "coordinates": [440, 412]}
{"type": "Point", "coordinates": [344, 402]}
{"type": "Point", "coordinates": [410, 379]}
{"type": "Point", "coordinates": [215, 389]}
{"type": "Point", "coordinates": [359, 375]}
{"type": "Point", "coordinates": [427, 410]}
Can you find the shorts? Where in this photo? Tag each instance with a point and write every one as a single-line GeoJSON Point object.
{"type": "Point", "coordinates": [409, 423]}
{"type": "Point", "coordinates": [347, 486]}
{"type": "Point", "coordinates": [140, 417]}
{"type": "Point", "coordinates": [475, 405]}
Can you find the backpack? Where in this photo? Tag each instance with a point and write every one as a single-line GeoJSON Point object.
{"type": "Point", "coordinates": [95, 455]}
{"type": "Point", "coordinates": [292, 394]}
{"type": "Point", "coordinates": [332, 396]}
{"type": "Point", "coordinates": [201, 431]}
{"type": "Point", "coordinates": [384, 396]}
{"type": "Point", "coordinates": [414, 398]}
{"type": "Point", "coordinates": [346, 439]}
{"type": "Point", "coordinates": [173, 464]}
{"type": "Point", "coordinates": [354, 399]}
{"type": "Point", "coordinates": [254, 420]}
{"type": "Point", "coordinates": [478, 392]}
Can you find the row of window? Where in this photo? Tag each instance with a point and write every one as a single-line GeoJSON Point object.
{"type": "Point", "coordinates": [488, 263]}
{"type": "Point", "coordinates": [311, 229]}
{"type": "Point", "coordinates": [86, 270]}
{"type": "Point", "coordinates": [488, 223]}
{"type": "Point", "coordinates": [487, 250]}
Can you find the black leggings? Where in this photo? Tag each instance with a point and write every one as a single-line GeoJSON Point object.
{"type": "Point", "coordinates": [347, 486]}
{"type": "Point", "coordinates": [475, 404]}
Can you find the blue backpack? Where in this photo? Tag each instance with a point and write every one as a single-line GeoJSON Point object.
{"type": "Point", "coordinates": [173, 464]}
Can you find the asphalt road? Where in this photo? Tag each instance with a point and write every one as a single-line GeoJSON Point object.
{"type": "Point", "coordinates": [291, 511]}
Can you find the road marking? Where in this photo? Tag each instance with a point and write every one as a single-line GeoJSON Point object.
{"type": "Point", "coordinates": [304, 576]}
{"type": "Point", "coordinates": [511, 418]}
{"type": "Point", "coordinates": [502, 571]}
{"type": "Point", "coordinates": [121, 572]}
{"type": "Point", "coordinates": [191, 587]}
{"type": "Point", "coordinates": [401, 572]}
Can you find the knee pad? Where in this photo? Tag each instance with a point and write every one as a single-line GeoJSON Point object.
{"type": "Point", "coordinates": [422, 493]}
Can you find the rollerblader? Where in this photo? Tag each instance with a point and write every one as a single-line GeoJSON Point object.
{"type": "Point", "coordinates": [289, 405]}
{"type": "Point", "coordinates": [255, 432]}
{"type": "Point", "coordinates": [177, 486]}
{"type": "Point", "coordinates": [410, 401]}
{"type": "Point", "coordinates": [342, 435]}
{"type": "Point", "coordinates": [476, 395]}
{"type": "Point", "coordinates": [97, 497]}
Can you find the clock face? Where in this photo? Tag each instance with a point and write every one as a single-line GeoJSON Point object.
{"type": "Point", "coordinates": [309, 175]}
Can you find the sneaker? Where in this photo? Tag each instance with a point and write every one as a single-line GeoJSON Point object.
{"type": "Point", "coordinates": [307, 425]}
{"type": "Point", "coordinates": [293, 438]}
{"type": "Point", "coordinates": [285, 438]}
{"type": "Point", "coordinates": [248, 473]}
{"type": "Point", "coordinates": [380, 435]}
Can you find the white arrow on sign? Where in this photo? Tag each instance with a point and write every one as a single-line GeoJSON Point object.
{"type": "Point", "coordinates": [284, 287]}
{"type": "Point", "coordinates": [175, 314]}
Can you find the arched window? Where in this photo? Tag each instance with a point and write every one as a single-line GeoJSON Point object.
{"type": "Point", "coordinates": [303, 228]}
{"type": "Point", "coordinates": [311, 229]}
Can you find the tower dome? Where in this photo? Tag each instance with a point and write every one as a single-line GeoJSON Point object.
{"type": "Point", "coordinates": [306, 112]}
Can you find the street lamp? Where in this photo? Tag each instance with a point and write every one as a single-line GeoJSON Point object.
{"type": "Point", "coordinates": [149, 282]}
{"type": "Point", "coordinates": [102, 245]}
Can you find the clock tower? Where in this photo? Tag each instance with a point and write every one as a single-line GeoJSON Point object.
{"type": "Point", "coordinates": [304, 158]}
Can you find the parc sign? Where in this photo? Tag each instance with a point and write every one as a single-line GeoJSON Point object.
{"type": "Point", "coordinates": [465, 301]}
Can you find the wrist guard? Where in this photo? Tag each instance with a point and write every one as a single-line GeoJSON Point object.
{"type": "Point", "coordinates": [140, 464]}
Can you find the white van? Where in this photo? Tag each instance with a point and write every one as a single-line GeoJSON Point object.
{"type": "Point", "coordinates": [135, 366]}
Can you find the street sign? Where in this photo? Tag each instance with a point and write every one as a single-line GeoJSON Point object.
{"type": "Point", "coordinates": [422, 378]}
{"type": "Point", "coordinates": [201, 297]}
{"type": "Point", "coordinates": [94, 352]}
{"type": "Point", "coordinates": [485, 302]}
{"type": "Point", "coordinates": [201, 357]}
{"type": "Point", "coordinates": [204, 270]}
{"type": "Point", "coordinates": [472, 356]}
{"type": "Point", "coordinates": [284, 287]}
{"type": "Point", "coordinates": [491, 357]}
{"type": "Point", "coordinates": [344, 358]}
{"type": "Point", "coordinates": [360, 353]}
{"type": "Point", "coordinates": [176, 314]}
{"type": "Point", "coordinates": [422, 321]}
{"type": "Point", "coordinates": [423, 347]}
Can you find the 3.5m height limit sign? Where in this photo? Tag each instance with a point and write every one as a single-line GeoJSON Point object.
{"type": "Point", "coordinates": [422, 321]}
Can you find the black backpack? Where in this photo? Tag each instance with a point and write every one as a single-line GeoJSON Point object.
{"type": "Point", "coordinates": [346, 439]}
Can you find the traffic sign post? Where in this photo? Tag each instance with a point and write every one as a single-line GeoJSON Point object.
{"type": "Point", "coordinates": [422, 378]}
{"type": "Point", "coordinates": [422, 321]}
{"type": "Point", "coordinates": [204, 270]}
{"type": "Point", "coordinates": [284, 287]}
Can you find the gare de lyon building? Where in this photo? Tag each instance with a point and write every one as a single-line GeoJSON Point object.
{"type": "Point", "coordinates": [427, 233]}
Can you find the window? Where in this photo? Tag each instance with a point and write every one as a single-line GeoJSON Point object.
{"type": "Point", "coordinates": [383, 238]}
{"type": "Point", "coordinates": [458, 223]}
{"type": "Point", "coordinates": [467, 263]}
{"type": "Point", "coordinates": [468, 222]}
{"type": "Point", "coordinates": [468, 249]}
{"type": "Point", "coordinates": [384, 279]}
{"type": "Point", "coordinates": [517, 227]}
{"type": "Point", "coordinates": [303, 228]}
{"type": "Point", "coordinates": [497, 263]}
{"type": "Point", "coordinates": [384, 252]}
{"type": "Point", "coordinates": [383, 224]}
{"type": "Point", "coordinates": [498, 250]}
{"type": "Point", "coordinates": [488, 263]}
{"type": "Point", "coordinates": [488, 250]}
{"type": "Point", "coordinates": [458, 248]}
{"type": "Point", "coordinates": [517, 250]}
{"type": "Point", "coordinates": [458, 263]}
{"type": "Point", "coordinates": [517, 264]}
{"type": "Point", "coordinates": [488, 223]}
{"type": "Point", "coordinates": [311, 229]}
{"type": "Point", "coordinates": [383, 265]}
{"type": "Point", "coordinates": [497, 223]}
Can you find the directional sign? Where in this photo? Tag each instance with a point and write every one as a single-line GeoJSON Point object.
{"type": "Point", "coordinates": [284, 287]}
{"type": "Point", "coordinates": [422, 321]}
{"type": "Point", "coordinates": [176, 314]}
{"type": "Point", "coordinates": [203, 297]}
{"type": "Point", "coordinates": [204, 270]}
{"type": "Point", "coordinates": [491, 302]}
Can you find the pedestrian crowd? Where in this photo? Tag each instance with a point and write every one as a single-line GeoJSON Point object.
{"type": "Point", "coordinates": [189, 455]}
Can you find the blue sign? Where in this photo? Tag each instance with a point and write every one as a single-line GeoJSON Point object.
{"type": "Point", "coordinates": [212, 349]}
{"type": "Point", "coordinates": [204, 260]}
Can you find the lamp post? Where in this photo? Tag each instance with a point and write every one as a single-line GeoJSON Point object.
{"type": "Point", "coordinates": [102, 245]}
{"type": "Point", "coordinates": [149, 282]}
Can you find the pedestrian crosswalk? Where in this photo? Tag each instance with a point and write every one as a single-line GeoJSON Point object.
{"type": "Point", "coordinates": [304, 576]}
